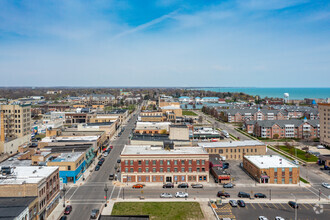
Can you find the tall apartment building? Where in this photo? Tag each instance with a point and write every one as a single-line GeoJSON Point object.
{"type": "Point", "coordinates": [324, 110]}
{"type": "Point", "coordinates": [17, 120]}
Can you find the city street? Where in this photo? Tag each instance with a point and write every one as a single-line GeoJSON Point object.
{"type": "Point", "coordinates": [91, 195]}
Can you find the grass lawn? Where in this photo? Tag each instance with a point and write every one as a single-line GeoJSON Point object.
{"type": "Point", "coordinates": [300, 154]}
{"type": "Point", "coordinates": [160, 210]}
{"type": "Point", "coordinates": [185, 112]}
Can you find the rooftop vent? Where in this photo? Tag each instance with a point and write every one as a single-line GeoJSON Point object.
{"type": "Point", "coordinates": [34, 171]}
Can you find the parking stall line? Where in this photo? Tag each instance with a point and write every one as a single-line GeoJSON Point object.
{"type": "Point", "coordinates": [259, 205]}
{"type": "Point", "coordinates": [282, 206]}
{"type": "Point", "coordinates": [267, 205]}
{"type": "Point", "coordinates": [274, 205]}
{"type": "Point", "coordinates": [252, 205]}
{"type": "Point", "coordinates": [310, 205]}
{"type": "Point", "coordinates": [304, 206]}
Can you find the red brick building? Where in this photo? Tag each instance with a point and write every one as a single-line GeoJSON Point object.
{"type": "Point", "coordinates": [155, 164]}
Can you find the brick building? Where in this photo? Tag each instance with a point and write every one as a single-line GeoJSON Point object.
{"type": "Point", "coordinates": [324, 109]}
{"type": "Point", "coordinates": [234, 150]}
{"type": "Point", "coordinates": [141, 163]}
{"type": "Point", "coordinates": [26, 181]}
{"type": "Point", "coordinates": [272, 169]}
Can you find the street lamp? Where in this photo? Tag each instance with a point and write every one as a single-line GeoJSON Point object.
{"type": "Point", "coordinates": [270, 194]}
{"type": "Point", "coordinates": [106, 194]}
{"type": "Point", "coordinates": [255, 183]}
{"type": "Point", "coordinates": [64, 190]}
{"type": "Point", "coordinates": [295, 208]}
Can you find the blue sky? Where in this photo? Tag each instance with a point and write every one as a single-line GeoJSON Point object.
{"type": "Point", "coordinates": [273, 43]}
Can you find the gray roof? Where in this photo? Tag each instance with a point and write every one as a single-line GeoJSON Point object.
{"type": "Point", "coordinates": [11, 207]}
{"type": "Point", "coordinates": [282, 123]}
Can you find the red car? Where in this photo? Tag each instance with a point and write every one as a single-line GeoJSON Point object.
{"type": "Point", "coordinates": [111, 146]}
{"type": "Point", "coordinates": [137, 186]}
{"type": "Point", "coordinates": [67, 210]}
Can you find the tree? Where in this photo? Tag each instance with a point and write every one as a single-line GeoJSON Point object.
{"type": "Point", "coordinates": [275, 136]}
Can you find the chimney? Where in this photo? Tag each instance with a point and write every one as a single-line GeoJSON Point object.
{"type": "Point", "coordinates": [2, 127]}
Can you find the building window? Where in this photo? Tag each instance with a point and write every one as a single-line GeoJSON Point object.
{"type": "Point", "coordinates": [132, 170]}
{"type": "Point", "coordinates": [182, 162]}
{"type": "Point", "coordinates": [255, 150]}
{"type": "Point", "coordinates": [154, 170]}
{"type": "Point", "coordinates": [131, 162]}
{"type": "Point", "coordinates": [126, 162]}
{"type": "Point", "coordinates": [203, 162]}
{"type": "Point", "coordinates": [168, 170]}
{"type": "Point", "coordinates": [190, 162]}
{"type": "Point", "coordinates": [175, 169]}
{"type": "Point", "coordinates": [198, 162]}
{"type": "Point", "coordinates": [220, 151]}
{"type": "Point", "coordinates": [168, 162]}
{"type": "Point", "coordinates": [147, 162]}
{"type": "Point", "coordinates": [154, 162]}
{"type": "Point", "coordinates": [182, 178]}
{"type": "Point", "coordinates": [140, 162]}
{"type": "Point", "coordinates": [283, 181]}
{"type": "Point", "coordinates": [182, 169]}
{"type": "Point", "coordinates": [161, 170]}
{"type": "Point", "coordinates": [147, 170]}
{"type": "Point", "coordinates": [190, 169]}
{"type": "Point", "coordinates": [139, 178]}
{"type": "Point", "coordinates": [147, 178]}
{"type": "Point", "coordinates": [203, 169]}
{"type": "Point", "coordinates": [154, 178]}
{"type": "Point", "coordinates": [69, 167]}
{"type": "Point", "coordinates": [198, 169]}
{"type": "Point", "coordinates": [161, 179]}
{"type": "Point", "coordinates": [175, 162]}
{"type": "Point", "coordinates": [126, 170]}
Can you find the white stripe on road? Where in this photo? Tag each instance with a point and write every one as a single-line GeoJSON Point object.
{"type": "Point", "coordinates": [74, 192]}
{"type": "Point", "coordinates": [112, 192]}
{"type": "Point", "coordinates": [119, 193]}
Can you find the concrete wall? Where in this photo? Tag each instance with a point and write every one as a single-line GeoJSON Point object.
{"type": "Point", "coordinates": [11, 147]}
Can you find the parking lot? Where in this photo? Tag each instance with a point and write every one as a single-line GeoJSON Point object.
{"type": "Point", "coordinates": [236, 172]}
{"type": "Point", "coordinates": [271, 210]}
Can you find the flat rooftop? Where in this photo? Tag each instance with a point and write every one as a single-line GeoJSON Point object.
{"type": "Point", "coordinates": [156, 150]}
{"type": "Point", "coordinates": [71, 139]}
{"type": "Point", "coordinates": [270, 161]}
{"type": "Point", "coordinates": [14, 161]}
{"type": "Point", "coordinates": [230, 144]}
{"type": "Point", "coordinates": [27, 174]}
{"type": "Point", "coordinates": [12, 207]}
{"type": "Point", "coordinates": [67, 157]}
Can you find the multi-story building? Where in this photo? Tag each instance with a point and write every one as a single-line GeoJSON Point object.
{"type": "Point", "coordinates": [98, 99]}
{"type": "Point", "coordinates": [17, 120]}
{"type": "Point", "coordinates": [141, 163]}
{"type": "Point", "coordinates": [234, 150]}
{"type": "Point", "coordinates": [242, 115]}
{"type": "Point", "coordinates": [152, 116]}
{"type": "Point", "coordinates": [271, 169]}
{"type": "Point", "coordinates": [152, 127]}
{"type": "Point", "coordinates": [293, 128]}
{"type": "Point", "coordinates": [19, 208]}
{"type": "Point", "coordinates": [26, 181]}
{"type": "Point", "coordinates": [324, 109]}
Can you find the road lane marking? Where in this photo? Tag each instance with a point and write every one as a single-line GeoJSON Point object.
{"type": "Point", "coordinates": [119, 193]}
{"type": "Point", "coordinates": [112, 192]}
{"type": "Point", "coordinates": [74, 192]}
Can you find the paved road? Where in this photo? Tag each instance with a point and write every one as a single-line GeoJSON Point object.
{"type": "Point", "coordinates": [91, 195]}
{"type": "Point", "coordinates": [229, 128]}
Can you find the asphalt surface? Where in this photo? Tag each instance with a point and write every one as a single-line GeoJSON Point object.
{"type": "Point", "coordinates": [271, 210]}
{"type": "Point", "coordinates": [91, 195]}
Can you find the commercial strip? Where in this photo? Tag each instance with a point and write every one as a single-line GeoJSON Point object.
{"type": "Point", "coordinates": [141, 163]}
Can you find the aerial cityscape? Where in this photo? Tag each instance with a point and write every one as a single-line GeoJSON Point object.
{"type": "Point", "coordinates": [165, 109]}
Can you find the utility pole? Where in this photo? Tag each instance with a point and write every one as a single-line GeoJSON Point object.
{"type": "Point", "coordinates": [270, 194]}
{"type": "Point", "coordinates": [106, 194]}
{"type": "Point", "coordinates": [64, 190]}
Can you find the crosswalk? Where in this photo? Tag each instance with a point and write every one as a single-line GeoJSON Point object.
{"type": "Point", "coordinates": [225, 211]}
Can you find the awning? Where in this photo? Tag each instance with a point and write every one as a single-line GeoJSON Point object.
{"type": "Point", "coordinates": [224, 177]}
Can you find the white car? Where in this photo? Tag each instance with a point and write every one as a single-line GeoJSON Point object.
{"type": "Point", "coordinates": [279, 218]}
{"type": "Point", "coordinates": [105, 154]}
{"type": "Point", "coordinates": [262, 218]}
{"type": "Point", "coordinates": [166, 195]}
{"type": "Point", "coordinates": [326, 185]}
{"type": "Point", "coordinates": [181, 195]}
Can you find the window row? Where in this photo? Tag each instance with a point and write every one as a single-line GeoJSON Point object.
{"type": "Point", "coordinates": [167, 162]}
{"type": "Point", "coordinates": [161, 170]}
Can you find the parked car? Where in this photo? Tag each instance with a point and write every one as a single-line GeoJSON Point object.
{"type": "Point", "coordinates": [228, 185]}
{"type": "Point", "coordinates": [181, 195]}
{"type": "Point", "coordinates": [233, 203]}
{"type": "Point", "coordinates": [295, 162]}
{"type": "Point", "coordinates": [223, 194]}
{"type": "Point", "coordinates": [105, 154]}
{"type": "Point", "coordinates": [326, 185]}
{"type": "Point", "coordinates": [293, 204]}
{"type": "Point", "coordinates": [183, 185]}
{"type": "Point", "coordinates": [243, 195]}
{"type": "Point", "coordinates": [166, 195]}
{"type": "Point", "coordinates": [260, 195]}
{"type": "Point", "coordinates": [241, 203]}
{"type": "Point", "coordinates": [119, 160]}
{"type": "Point", "coordinates": [67, 210]}
{"type": "Point", "coordinates": [111, 176]}
{"type": "Point", "coordinates": [197, 185]}
{"type": "Point", "coordinates": [279, 218]}
{"type": "Point", "coordinates": [168, 185]}
{"type": "Point", "coordinates": [63, 217]}
{"type": "Point", "coordinates": [97, 168]}
{"type": "Point", "coordinates": [137, 186]}
{"type": "Point", "coordinates": [100, 163]}
{"type": "Point", "coordinates": [111, 146]}
{"type": "Point", "coordinates": [102, 160]}
{"type": "Point", "coordinates": [262, 218]}
{"type": "Point", "coordinates": [95, 213]}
